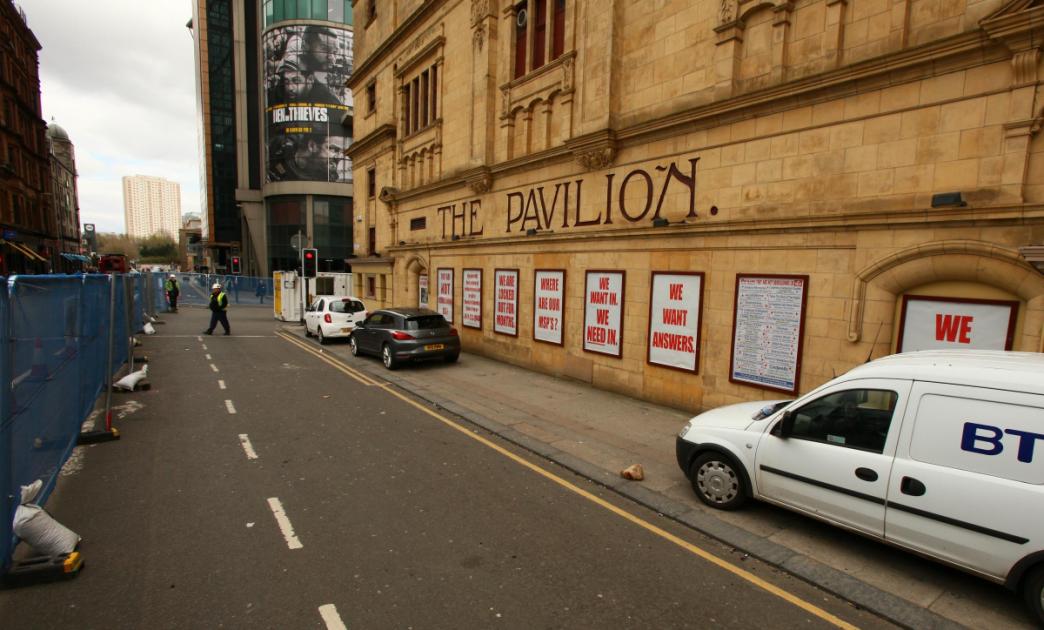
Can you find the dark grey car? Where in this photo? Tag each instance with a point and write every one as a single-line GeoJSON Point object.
{"type": "Point", "coordinates": [406, 334]}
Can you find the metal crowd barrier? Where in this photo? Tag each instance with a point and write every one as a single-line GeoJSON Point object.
{"type": "Point", "coordinates": [56, 332]}
{"type": "Point", "coordinates": [195, 289]}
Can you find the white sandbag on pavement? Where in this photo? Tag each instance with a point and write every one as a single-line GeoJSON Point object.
{"type": "Point", "coordinates": [131, 381]}
{"type": "Point", "coordinates": [149, 329]}
{"type": "Point", "coordinates": [44, 534]}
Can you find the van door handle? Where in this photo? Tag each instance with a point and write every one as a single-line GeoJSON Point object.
{"type": "Point", "coordinates": [866, 474]}
{"type": "Point", "coordinates": [912, 487]}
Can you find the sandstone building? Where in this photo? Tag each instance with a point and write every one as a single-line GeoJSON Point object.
{"type": "Point", "coordinates": [701, 201]}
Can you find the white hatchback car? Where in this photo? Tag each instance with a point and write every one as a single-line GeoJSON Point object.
{"type": "Point", "coordinates": [332, 316]}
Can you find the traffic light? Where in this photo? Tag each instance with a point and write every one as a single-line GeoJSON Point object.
{"type": "Point", "coordinates": [235, 265]}
{"type": "Point", "coordinates": [311, 260]}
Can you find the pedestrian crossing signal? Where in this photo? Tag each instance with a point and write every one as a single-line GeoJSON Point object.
{"type": "Point", "coordinates": [235, 265]}
{"type": "Point", "coordinates": [311, 260]}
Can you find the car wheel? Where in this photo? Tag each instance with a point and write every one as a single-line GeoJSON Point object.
{"type": "Point", "coordinates": [308, 333]}
{"type": "Point", "coordinates": [387, 358]}
{"type": "Point", "coordinates": [1033, 592]}
{"type": "Point", "coordinates": [354, 346]}
{"type": "Point", "coordinates": [321, 336]}
{"type": "Point", "coordinates": [451, 358]}
{"type": "Point", "coordinates": [718, 482]}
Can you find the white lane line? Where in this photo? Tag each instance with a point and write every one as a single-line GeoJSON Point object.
{"type": "Point", "coordinates": [208, 357]}
{"type": "Point", "coordinates": [247, 446]}
{"type": "Point", "coordinates": [221, 384]}
{"type": "Point", "coordinates": [284, 524]}
{"type": "Point", "coordinates": [331, 618]}
{"type": "Point", "coordinates": [213, 367]}
{"type": "Point", "coordinates": [205, 347]}
{"type": "Point", "coordinates": [231, 408]}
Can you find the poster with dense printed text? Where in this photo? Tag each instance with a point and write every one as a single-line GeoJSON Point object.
{"type": "Point", "coordinates": [422, 291]}
{"type": "Point", "coordinates": [548, 305]}
{"type": "Point", "coordinates": [444, 293]}
{"type": "Point", "coordinates": [471, 298]}
{"type": "Point", "coordinates": [505, 303]}
{"type": "Point", "coordinates": [936, 323]}
{"type": "Point", "coordinates": [768, 323]}
{"type": "Point", "coordinates": [675, 301]}
{"type": "Point", "coordinates": [603, 312]}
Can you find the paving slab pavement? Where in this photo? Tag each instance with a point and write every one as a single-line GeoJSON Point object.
{"type": "Point", "coordinates": [597, 433]}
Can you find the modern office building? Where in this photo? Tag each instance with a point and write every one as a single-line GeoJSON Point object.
{"type": "Point", "coordinates": [151, 205]}
{"type": "Point", "coordinates": [275, 117]}
{"type": "Point", "coordinates": [28, 234]}
{"type": "Point", "coordinates": [709, 201]}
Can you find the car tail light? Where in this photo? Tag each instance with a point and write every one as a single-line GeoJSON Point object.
{"type": "Point", "coordinates": [453, 331]}
{"type": "Point", "coordinates": [327, 318]}
{"type": "Point", "coordinates": [401, 336]}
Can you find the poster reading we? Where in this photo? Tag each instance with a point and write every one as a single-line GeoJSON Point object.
{"type": "Point", "coordinates": [444, 294]}
{"type": "Point", "coordinates": [603, 312]}
{"type": "Point", "coordinates": [548, 305]}
{"type": "Point", "coordinates": [674, 320]}
{"type": "Point", "coordinates": [471, 298]}
{"type": "Point", "coordinates": [505, 303]}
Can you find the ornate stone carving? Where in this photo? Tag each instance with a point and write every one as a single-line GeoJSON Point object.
{"type": "Point", "coordinates": [725, 14]}
{"type": "Point", "coordinates": [594, 151]}
{"type": "Point", "coordinates": [480, 10]}
{"type": "Point", "coordinates": [505, 102]}
{"type": "Point", "coordinates": [567, 73]}
{"type": "Point", "coordinates": [1024, 63]}
{"type": "Point", "coordinates": [479, 36]}
{"type": "Point", "coordinates": [596, 159]}
{"type": "Point", "coordinates": [479, 180]}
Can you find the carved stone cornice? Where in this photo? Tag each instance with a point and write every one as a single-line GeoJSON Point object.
{"type": "Point", "coordinates": [481, 10]}
{"type": "Point", "coordinates": [479, 180]}
{"type": "Point", "coordinates": [594, 151]}
{"type": "Point", "coordinates": [1024, 65]}
{"type": "Point", "coordinates": [365, 66]}
{"type": "Point", "coordinates": [385, 132]}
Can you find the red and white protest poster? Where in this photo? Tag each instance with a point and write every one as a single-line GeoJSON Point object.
{"type": "Point", "coordinates": [471, 298]}
{"type": "Point", "coordinates": [548, 305]}
{"type": "Point", "coordinates": [444, 293]}
{"type": "Point", "coordinates": [767, 329]}
{"type": "Point", "coordinates": [675, 306]}
{"type": "Point", "coordinates": [603, 312]}
{"type": "Point", "coordinates": [422, 291]}
{"type": "Point", "coordinates": [936, 323]}
{"type": "Point", "coordinates": [505, 301]}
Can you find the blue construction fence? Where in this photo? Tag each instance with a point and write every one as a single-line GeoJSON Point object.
{"type": "Point", "coordinates": [55, 334]}
{"type": "Point", "coordinates": [194, 289]}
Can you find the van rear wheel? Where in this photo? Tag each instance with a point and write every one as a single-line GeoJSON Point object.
{"type": "Point", "coordinates": [717, 481]}
{"type": "Point", "coordinates": [1033, 592]}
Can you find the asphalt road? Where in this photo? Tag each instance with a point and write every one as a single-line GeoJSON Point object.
{"type": "Point", "coordinates": [400, 517]}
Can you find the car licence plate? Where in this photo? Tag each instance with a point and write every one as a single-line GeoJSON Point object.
{"type": "Point", "coordinates": [434, 346]}
{"type": "Point", "coordinates": [346, 330]}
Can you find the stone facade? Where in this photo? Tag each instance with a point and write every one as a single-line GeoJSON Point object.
{"type": "Point", "coordinates": [808, 138]}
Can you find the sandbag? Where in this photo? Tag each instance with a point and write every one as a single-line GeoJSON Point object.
{"type": "Point", "coordinates": [45, 535]}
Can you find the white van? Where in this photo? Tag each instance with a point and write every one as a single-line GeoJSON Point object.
{"type": "Point", "coordinates": [938, 452]}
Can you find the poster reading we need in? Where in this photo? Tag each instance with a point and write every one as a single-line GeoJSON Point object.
{"type": "Point", "coordinates": [603, 312]}
{"type": "Point", "coordinates": [674, 320]}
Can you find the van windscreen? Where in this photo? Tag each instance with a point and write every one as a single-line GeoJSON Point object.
{"type": "Point", "coordinates": [426, 322]}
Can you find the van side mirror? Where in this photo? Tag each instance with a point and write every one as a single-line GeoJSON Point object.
{"type": "Point", "coordinates": [785, 428]}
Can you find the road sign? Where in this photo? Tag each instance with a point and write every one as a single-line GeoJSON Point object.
{"type": "Point", "coordinates": [297, 241]}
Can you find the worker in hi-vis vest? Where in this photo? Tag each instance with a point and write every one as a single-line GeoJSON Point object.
{"type": "Point", "coordinates": [218, 306]}
{"type": "Point", "coordinates": [173, 291]}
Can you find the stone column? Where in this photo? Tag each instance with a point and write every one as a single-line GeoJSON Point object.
{"type": "Point", "coordinates": [834, 33]}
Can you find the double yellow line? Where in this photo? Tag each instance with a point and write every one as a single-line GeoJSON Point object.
{"type": "Point", "coordinates": [646, 525]}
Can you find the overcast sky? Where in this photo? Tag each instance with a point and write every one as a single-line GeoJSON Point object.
{"type": "Point", "coordinates": [118, 76]}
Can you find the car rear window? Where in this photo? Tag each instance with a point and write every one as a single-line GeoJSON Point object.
{"type": "Point", "coordinates": [347, 306]}
{"type": "Point", "coordinates": [426, 322]}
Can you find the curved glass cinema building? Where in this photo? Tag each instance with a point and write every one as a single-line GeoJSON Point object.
{"type": "Point", "coordinates": [275, 118]}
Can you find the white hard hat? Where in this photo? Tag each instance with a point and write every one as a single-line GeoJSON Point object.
{"type": "Point", "coordinates": [172, 277]}
{"type": "Point", "coordinates": [216, 286]}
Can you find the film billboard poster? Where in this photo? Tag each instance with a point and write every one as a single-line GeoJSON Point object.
{"type": "Point", "coordinates": [674, 320]}
{"type": "Point", "coordinates": [306, 67]}
{"type": "Point", "coordinates": [422, 291]}
{"type": "Point", "coordinates": [471, 298]}
{"type": "Point", "coordinates": [505, 302]}
{"type": "Point", "coordinates": [931, 323]}
{"type": "Point", "coordinates": [444, 293]}
{"type": "Point", "coordinates": [548, 305]}
{"type": "Point", "coordinates": [767, 328]}
{"type": "Point", "coordinates": [603, 312]}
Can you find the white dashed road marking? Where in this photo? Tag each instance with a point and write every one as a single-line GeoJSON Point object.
{"type": "Point", "coordinates": [205, 347]}
{"type": "Point", "coordinates": [208, 357]}
{"type": "Point", "coordinates": [198, 338]}
{"type": "Point", "coordinates": [331, 618]}
{"type": "Point", "coordinates": [284, 524]}
{"type": "Point", "coordinates": [213, 367]}
{"type": "Point", "coordinates": [221, 384]}
{"type": "Point", "coordinates": [247, 446]}
{"type": "Point", "coordinates": [231, 408]}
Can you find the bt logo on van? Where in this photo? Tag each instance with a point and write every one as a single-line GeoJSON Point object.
{"type": "Point", "coordinates": [988, 440]}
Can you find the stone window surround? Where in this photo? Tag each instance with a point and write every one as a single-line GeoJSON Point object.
{"type": "Point", "coordinates": [419, 153]}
